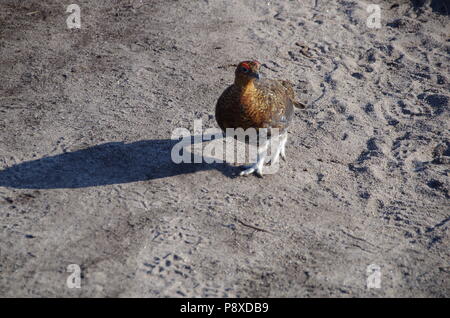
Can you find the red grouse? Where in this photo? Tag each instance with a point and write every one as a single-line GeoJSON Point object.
{"type": "Point", "coordinates": [257, 103]}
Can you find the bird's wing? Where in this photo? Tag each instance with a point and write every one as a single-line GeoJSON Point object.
{"type": "Point", "coordinates": [289, 87]}
{"type": "Point", "coordinates": [225, 114]}
{"type": "Point", "coordinates": [276, 98]}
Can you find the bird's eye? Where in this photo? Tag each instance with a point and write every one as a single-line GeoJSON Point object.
{"type": "Point", "coordinates": [244, 69]}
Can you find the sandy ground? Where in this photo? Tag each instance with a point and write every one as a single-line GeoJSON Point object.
{"type": "Point", "coordinates": [86, 117]}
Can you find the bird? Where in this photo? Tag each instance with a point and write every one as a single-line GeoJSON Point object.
{"type": "Point", "coordinates": [253, 102]}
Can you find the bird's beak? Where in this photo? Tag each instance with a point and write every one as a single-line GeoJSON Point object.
{"type": "Point", "coordinates": [254, 74]}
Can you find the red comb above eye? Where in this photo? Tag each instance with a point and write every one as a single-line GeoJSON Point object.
{"type": "Point", "coordinates": [245, 65]}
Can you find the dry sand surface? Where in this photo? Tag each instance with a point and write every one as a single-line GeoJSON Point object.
{"type": "Point", "coordinates": [86, 177]}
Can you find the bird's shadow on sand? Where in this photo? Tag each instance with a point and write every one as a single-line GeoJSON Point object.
{"type": "Point", "coordinates": [108, 163]}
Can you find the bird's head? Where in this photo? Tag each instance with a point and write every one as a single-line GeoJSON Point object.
{"type": "Point", "coordinates": [247, 71]}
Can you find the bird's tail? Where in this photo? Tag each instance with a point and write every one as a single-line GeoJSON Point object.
{"type": "Point", "coordinates": [289, 86]}
{"type": "Point", "coordinates": [299, 105]}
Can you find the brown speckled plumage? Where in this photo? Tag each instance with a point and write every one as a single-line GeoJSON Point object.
{"type": "Point", "coordinates": [254, 103]}
{"type": "Point", "coordinates": [251, 102]}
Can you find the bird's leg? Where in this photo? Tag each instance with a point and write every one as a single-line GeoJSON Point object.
{"type": "Point", "coordinates": [257, 167]}
{"type": "Point", "coordinates": [280, 151]}
{"type": "Point", "coordinates": [283, 146]}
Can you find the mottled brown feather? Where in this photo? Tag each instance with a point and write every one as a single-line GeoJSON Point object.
{"type": "Point", "coordinates": [256, 103]}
